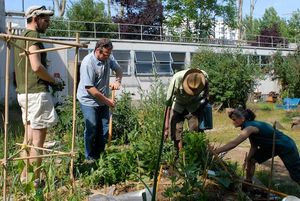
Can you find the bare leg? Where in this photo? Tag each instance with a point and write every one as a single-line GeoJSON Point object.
{"type": "Point", "coordinates": [250, 169]}
{"type": "Point", "coordinates": [36, 137]}
{"type": "Point", "coordinates": [26, 152]}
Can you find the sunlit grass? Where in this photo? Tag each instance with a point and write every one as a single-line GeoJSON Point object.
{"type": "Point", "coordinates": [223, 130]}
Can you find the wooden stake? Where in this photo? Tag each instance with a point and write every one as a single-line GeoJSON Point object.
{"type": "Point", "coordinates": [6, 115]}
{"type": "Point", "coordinates": [26, 108]}
{"type": "Point", "coordinates": [45, 50]}
{"type": "Point", "coordinates": [77, 44]}
{"type": "Point", "coordinates": [110, 119]}
{"type": "Point", "coordinates": [74, 113]}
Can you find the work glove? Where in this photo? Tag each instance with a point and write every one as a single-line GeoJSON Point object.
{"type": "Point", "coordinates": [58, 84]}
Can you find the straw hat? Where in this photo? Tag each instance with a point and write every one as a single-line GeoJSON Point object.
{"type": "Point", "coordinates": [193, 82]}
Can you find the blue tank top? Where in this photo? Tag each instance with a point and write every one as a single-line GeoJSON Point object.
{"type": "Point", "coordinates": [264, 138]}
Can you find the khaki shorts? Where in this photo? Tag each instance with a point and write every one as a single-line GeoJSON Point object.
{"type": "Point", "coordinates": [41, 112]}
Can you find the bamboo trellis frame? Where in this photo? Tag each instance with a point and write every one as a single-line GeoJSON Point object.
{"type": "Point", "coordinates": [66, 45]}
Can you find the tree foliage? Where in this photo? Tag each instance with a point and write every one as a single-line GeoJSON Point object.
{"type": "Point", "coordinates": [198, 17]}
{"type": "Point", "coordinates": [287, 71]}
{"type": "Point", "coordinates": [294, 25]}
{"type": "Point", "coordinates": [232, 76]}
{"type": "Point", "coordinates": [88, 11]}
{"type": "Point", "coordinates": [140, 13]}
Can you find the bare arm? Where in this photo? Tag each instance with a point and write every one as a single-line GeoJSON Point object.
{"type": "Point", "coordinates": [238, 140]}
{"type": "Point", "coordinates": [99, 96]}
{"type": "Point", "coordinates": [117, 83]}
{"type": "Point", "coordinates": [37, 66]}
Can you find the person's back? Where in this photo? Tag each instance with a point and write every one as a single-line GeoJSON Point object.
{"type": "Point", "coordinates": [35, 84]}
{"type": "Point", "coordinates": [264, 138]}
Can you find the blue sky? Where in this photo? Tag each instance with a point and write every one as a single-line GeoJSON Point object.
{"type": "Point", "coordinates": [284, 8]}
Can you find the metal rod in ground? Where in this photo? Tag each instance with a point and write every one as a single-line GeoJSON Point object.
{"type": "Point", "coordinates": [272, 162]}
{"type": "Point", "coordinates": [159, 158]}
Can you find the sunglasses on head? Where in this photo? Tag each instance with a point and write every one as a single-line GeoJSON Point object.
{"type": "Point", "coordinates": [39, 8]}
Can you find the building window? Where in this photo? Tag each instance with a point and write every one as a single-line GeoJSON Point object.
{"type": "Point", "coordinates": [163, 62]}
{"type": "Point", "coordinates": [178, 61]}
{"type": "Point", "coordinates": [144, 63]}
{"type": "Point", "coordinates": [123, 58]}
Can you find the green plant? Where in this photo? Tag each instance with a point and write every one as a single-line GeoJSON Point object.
{"type": "Point", "coordinates": [125, 117]}
{"type": "Point", "coordinates": [232, 77]}
{"type": "Point", "coordinates": [287, 71]}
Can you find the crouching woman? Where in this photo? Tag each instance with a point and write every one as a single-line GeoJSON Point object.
{"type": "Point", "coordinates": [260, 135]}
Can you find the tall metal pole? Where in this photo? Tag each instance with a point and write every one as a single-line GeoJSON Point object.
{"type": "Point", "coordinates": [2, 17]}
{"type": "Point", "coordinates": [240, 16]}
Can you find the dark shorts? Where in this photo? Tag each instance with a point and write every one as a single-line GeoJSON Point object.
{"type": "Point", "coordinates": [290, 159]}
{"type": "Point", "coordinates": [177, 121]}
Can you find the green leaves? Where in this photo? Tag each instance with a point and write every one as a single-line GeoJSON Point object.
{"type": "Point", "coordinates": [231, 76]}
{"type": "Point", "coordinates": [198, 17]}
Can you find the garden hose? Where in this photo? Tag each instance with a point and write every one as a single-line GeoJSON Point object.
{"type": "Point", "coordinates": [159, 158]}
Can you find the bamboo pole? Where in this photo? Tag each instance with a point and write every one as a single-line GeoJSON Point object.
{"type": "Point", "coordinates": [46, 50]}
{"type": "Point", "coordinates": [41, 148]}
{"type": "Point", "coordinates": [6, 37]}
{"type": "Point", "coordinates": [40, 156]}
{"type": "Point", "coordinates": [265, 189]}
{"type": "Point", "coordinates": [113, 92]}
{"type": "Point", "coordinates": [26, 108]}
{"type": "Point", "coordinates": [6, 115]}
{"type": "Point", "coordinates": [74, 112]}
{"type": "Point", "coordinates": [4, 161]}
{"type": "Point", "coordinates": [18, 46]}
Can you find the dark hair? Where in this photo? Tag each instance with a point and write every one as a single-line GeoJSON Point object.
{"type": "Point", "coordinates": [104, 43]}
{"type": "Point", "coordinates": [29, 20]}
{"type": "Point", "coordinates": [247, 114]}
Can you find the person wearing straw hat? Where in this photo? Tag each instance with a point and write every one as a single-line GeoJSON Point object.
{"type": "Point", "coordinates": [261, 136]}
{"type": "Point", "coordinates": [186, 98]}
{"type": "Point", "coordinates": [93, 92]}
{"type": "Point", "coordinates": [41, 113]}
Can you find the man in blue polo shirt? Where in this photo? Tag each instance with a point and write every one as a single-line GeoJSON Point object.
{"type": "Point", "coordinates": [92, 93]}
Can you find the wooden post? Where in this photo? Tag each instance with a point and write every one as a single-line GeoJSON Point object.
{"type": "Point", "coordinates": [26, 108]}
{"type": "Point", "coordinates": [6, 115]}
{"type": "Point", "coordinates": [74, 112]}
{"type": "Point", "coordinates": [110, 119]}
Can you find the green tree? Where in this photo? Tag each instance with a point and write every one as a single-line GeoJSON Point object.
{"type": "Point", "coordinates": [232, 76]}
{"type": "Point", "coordinates": [198, 17]}
{"type": "Point", "coordinates": [269, 18]}
{"type": "Point", "coordinates": [251, 27]}
{"type": "Point", "coordinates": [287, 71]}
{"type": "Point", "coordinates": [294, 25]}
{"type": "Point", "coordinates": [93, 14]}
